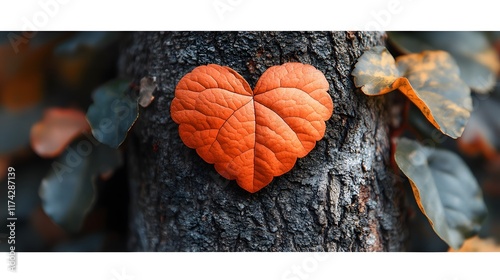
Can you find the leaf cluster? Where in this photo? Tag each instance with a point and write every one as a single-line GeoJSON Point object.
{"type": "Point", "coordinates": [439, 73]}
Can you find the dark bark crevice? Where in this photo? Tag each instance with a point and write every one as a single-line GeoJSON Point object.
{"type": "Point", "coordinates": [340, 197]}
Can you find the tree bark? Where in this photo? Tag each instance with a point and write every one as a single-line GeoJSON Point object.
{"type": "Point", "coordinates": [340, 197]}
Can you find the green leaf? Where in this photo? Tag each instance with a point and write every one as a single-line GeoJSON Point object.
{"type": "Point", "coordinates": [68, 191]}
{"type": "Point", "coordinates": [113, 113]}
{"type": "Point", "coordinates": [472, 51]}
{"type": "Point", "coordinates": [445, 190]}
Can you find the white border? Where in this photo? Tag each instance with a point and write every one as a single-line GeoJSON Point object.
{"type": "Point", "coordinates": [252, 266]}
{"type": "Point", "coordinates": [249, 15]}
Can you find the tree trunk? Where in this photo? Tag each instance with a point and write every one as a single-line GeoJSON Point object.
{"type": "Point", "coordinates": [340, 197]}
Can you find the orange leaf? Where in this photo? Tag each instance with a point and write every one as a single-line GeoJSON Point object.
{"type": "Point", "coordinates": [252, 136]}
{"type": "Point", "coordinates": [51, 135]}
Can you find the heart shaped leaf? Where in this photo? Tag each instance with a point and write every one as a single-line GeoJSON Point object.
{"type": "Point", "coordinates": [252, 136]}
{"type": "Point", "coordinates": [430, 80]}
{"type": "Point", "coordinates": [68, 191]}
{"type": "Point", "coordinates": [113, 113]}
{"type": "Point", "coordinates": [59, 126]}
{"type": "Point", "coordinates": [445, 190]}
{"type": "Point", "coordinates": [474, 54]}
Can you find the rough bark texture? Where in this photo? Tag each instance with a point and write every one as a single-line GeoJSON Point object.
{"type": "Point", "coordinates": [341, 197]}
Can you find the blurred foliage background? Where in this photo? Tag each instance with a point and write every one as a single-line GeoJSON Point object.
{"type": "Point", "coordinates": [46, 85]}
{"type": "Point", "coordinates": [60, 92]}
